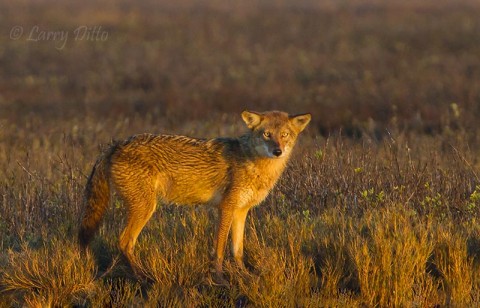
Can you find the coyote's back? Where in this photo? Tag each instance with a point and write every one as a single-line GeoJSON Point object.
{"type": "Point", "coordinates": [232, 174]}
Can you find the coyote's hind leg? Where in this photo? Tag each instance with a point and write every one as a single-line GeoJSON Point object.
{"type": "Point", "coordinates": [140, 210]}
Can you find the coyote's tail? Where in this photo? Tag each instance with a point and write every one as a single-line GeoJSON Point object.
{"type": "Point", "coordinates": [97, 197]}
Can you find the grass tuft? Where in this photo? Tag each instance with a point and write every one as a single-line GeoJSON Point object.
{"type": "Point", "coordinates": [53, 275]}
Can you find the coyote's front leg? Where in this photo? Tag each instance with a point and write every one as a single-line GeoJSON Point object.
{"type": "Point", "coordinates": [223, 228]}
{"type": "Point", "coordinates": [238, 230]}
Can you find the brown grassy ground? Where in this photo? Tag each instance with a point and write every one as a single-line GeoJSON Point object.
{"type": "Point", "coordinates": [379, 206]}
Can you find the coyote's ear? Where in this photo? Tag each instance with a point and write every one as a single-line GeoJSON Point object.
{"type": "Point", "coordinates": [251, 118]}
{"type": "Point", "coordinates": [300, 121]}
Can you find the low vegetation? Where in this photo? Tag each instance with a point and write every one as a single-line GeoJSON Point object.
{"type": "Point", "coordinates": [378, 206]}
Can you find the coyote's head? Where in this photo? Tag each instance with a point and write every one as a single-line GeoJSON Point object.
{"type": "Point", "coordinates": [274, 132]}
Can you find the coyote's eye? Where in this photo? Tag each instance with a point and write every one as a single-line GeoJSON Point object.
{"type": "Point", "coordinates": [267, 134]}
{"type": "Point", "coordinates": [284, 135]}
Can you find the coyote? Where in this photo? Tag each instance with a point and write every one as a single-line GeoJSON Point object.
{"type": "Point", "coordinates": [232, 174]}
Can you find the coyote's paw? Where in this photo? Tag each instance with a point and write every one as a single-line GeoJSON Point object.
{"type": "Point", "coordinates": [220, 280]}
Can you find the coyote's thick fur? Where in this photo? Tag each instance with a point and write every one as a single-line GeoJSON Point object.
{"type": "Point", "coordinates": [233, 174]}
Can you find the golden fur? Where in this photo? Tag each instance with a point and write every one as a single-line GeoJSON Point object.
{"type": "Point", "coordinates": [233, 174]}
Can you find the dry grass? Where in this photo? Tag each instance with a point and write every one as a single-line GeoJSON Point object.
{"type": "Point", "coordinates": [379, 206]}
{"type": "Point", "coordinates": [53, 275]}
{"type": "Point", "coordinates": [370, 225]}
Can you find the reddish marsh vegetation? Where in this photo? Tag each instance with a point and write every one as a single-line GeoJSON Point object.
{"type": "Point", "coordinates": [378, 207]}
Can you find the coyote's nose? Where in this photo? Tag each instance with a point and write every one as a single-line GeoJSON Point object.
{"type": "Point", "coordinates": [277, 152]}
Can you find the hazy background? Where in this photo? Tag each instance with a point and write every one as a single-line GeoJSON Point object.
{"type": "Point", "coordinates": [356, 65]}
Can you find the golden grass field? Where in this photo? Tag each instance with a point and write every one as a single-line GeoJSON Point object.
{"type": "Point", "coordinates": [379, 204]}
